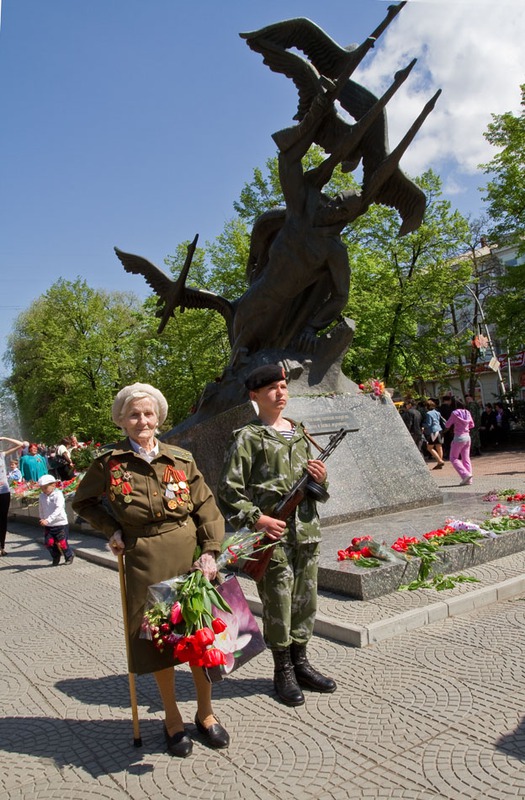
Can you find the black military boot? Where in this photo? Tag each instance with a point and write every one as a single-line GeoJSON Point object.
{"type": "Point", "coordinates": [306, 675]}
{"type": "Point", "coordinates": [284, 679]}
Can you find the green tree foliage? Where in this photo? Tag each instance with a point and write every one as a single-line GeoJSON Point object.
{"type": "Point", "coordinates": [401, 292]}
{"type": "Point", "coordinates": [505, 310]}
{"type": "Point", "coordinates": [505, 191]}
{"type": "Point", "coordinates": [505, 195]}
{"type": "Point", "coordinates": [228, 256]}
{"type": "Point", "coordinates": [69, 353]}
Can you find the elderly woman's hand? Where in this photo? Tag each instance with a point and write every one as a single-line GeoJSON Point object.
{"type": "Point", "coordinates": [116, 544]}
{"type": "Point", "coordinates": [207, 565]}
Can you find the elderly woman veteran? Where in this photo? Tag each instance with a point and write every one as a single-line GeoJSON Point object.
{"type": "Point", "coordinates": [160, 509]}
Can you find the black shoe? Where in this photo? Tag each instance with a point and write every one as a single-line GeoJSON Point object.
{"type": "Point", "coordinates": [306, 675]}
{"type": "Point", "coordinates": [216, 735]}
{"type": "Point", "coordinates": [56, 561]}
{"type": "Point", "coordinates": [284, 679]}
{"type": "Point", "coordinates": [179, 744]}
{"type": "Point", "coordinates": [70, 560]}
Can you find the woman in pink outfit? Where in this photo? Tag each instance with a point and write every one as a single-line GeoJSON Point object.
{"type": "Point", "coordinates": [462, 421]}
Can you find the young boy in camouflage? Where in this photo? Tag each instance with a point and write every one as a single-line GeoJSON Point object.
{"type": "Point", "coordinates": [263, 461]}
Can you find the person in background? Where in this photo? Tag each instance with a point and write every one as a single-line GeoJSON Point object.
{"type": "Point", "coordinates": [412, 419]}
{"type": "Point", "coordinates": [461, 422]}
{"type": "Point", "coordinates": [5, 494]}
{"type": "Point", "coordinates": [432, 429]}
{"type": "Point", "coordinates": [157, 508]}
{"type": "Point", "coordinates": [62, 462]}
{"type": "Point", "coordinates": [53, 518]}
{"type": "Point", "coordinates": [503, 417]}
{"type": "Point", "coordinates": [448, 404]}
{"type": "Point", "coordinates": [488, 425]}
{"type": "Point", "coordinates": [14, 475]}
{"type": "Point", "coordinates": [33, 465]}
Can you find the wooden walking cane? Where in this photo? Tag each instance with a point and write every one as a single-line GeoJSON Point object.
{"type": "Point", "coordinates": [137, 740]}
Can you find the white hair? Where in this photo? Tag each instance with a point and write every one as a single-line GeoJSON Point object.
{"type": "Point", "coordinates": [138, 391]}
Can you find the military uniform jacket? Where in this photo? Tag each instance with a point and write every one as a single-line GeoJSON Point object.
{"type": "Point", "coordinates": [141, 502]}
{"type": "Point", "coordinates": [260, 467]}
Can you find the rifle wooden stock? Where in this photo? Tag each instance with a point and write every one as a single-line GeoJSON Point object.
{"type": "Point", "coordinates": [256, 566]}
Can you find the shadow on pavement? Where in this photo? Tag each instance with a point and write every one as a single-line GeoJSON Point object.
{"type": "Point", "coordinates": [97, 746]}
{"type": "Point", "coordinates": [513, 744]}
{"type": "Point", "coordinates": [113, 690]}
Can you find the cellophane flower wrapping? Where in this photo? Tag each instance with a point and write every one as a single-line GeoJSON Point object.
{"type": "Point", "coordinates": [188, 614]}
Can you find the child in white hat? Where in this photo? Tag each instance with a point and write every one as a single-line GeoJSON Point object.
{"type": "Point", "coordinates": [53, 518]}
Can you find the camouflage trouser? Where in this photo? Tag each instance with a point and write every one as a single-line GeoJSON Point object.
{"type": "Point", "coordinates": [288, 591]}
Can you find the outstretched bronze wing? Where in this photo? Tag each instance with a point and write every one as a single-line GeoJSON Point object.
{"type": "Point", "coordinates": [329, 58]}
{"type": "Point", "coordinates": [174, 293]}
{"type": "Point", "coordinates": [161, 283]}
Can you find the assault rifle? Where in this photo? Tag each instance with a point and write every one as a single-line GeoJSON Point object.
{"type": "Point", "coordinates": [255, 565]}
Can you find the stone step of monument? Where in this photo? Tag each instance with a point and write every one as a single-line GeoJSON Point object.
{"type": "Point", "coordinates": [365, 622]}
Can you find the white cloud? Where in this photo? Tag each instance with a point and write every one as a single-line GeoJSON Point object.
{"type": "Point", "coordinates": [472, 50]}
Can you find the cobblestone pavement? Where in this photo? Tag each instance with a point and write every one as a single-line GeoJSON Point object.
{"type": "Point", "coordinates": [435, 713]}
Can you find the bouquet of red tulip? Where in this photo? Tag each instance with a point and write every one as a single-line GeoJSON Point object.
{"type": "Point", "coordinates": [180, 612]}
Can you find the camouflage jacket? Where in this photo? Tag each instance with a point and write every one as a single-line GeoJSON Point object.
{"type": "Point", "coordinates": [261, 467]}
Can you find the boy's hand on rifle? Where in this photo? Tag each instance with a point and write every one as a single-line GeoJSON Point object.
{"type": "Point", "coordinates": [317, 470]}
{"type": "Point", "coordinates": [274, 528]}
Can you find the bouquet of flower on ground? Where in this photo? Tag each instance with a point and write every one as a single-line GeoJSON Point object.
{"type": "Point", "coordinates": [364, 551]}
{"type": "Point", "coordinates": [28, 492]}
{"type": "Point", "coordinates": [509, 495]}
{"type": "Point", "coordinates": [181, 613]}
{"type": "Point", "coordinates": [513, 512]}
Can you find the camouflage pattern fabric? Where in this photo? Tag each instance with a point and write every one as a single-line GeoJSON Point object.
{"type": "Point", "coordinates": [260, 467]}
{"type": "Point", "coordinates": [288, 592]}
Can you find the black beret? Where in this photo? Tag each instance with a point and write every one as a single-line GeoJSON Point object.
{"type": "Point", "coordinates": [263, 376]}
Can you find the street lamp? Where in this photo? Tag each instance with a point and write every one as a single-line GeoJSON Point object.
{"type": "Point", "coordinates": [489, 339]}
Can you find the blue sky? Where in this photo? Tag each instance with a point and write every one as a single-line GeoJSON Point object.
{"type": "Point", "coordinates": [136, 123]}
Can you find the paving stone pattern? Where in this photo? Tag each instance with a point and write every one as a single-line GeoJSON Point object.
{"type": "Point", "coordinates": [435, 713]}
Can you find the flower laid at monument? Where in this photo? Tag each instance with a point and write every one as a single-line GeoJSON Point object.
{"type": "Point", "coordinates": [366, 552]}
{"type": "Point", "coordinates": [28, 493]}
{"type": "Point", "coordinates": [373, 386]}
{"type": "Point", "coordinates": [509, 495]}
{"type": "Point", "coordinates": [205, 625]}
{"type": "Point", "coordinates": [514, 512]}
